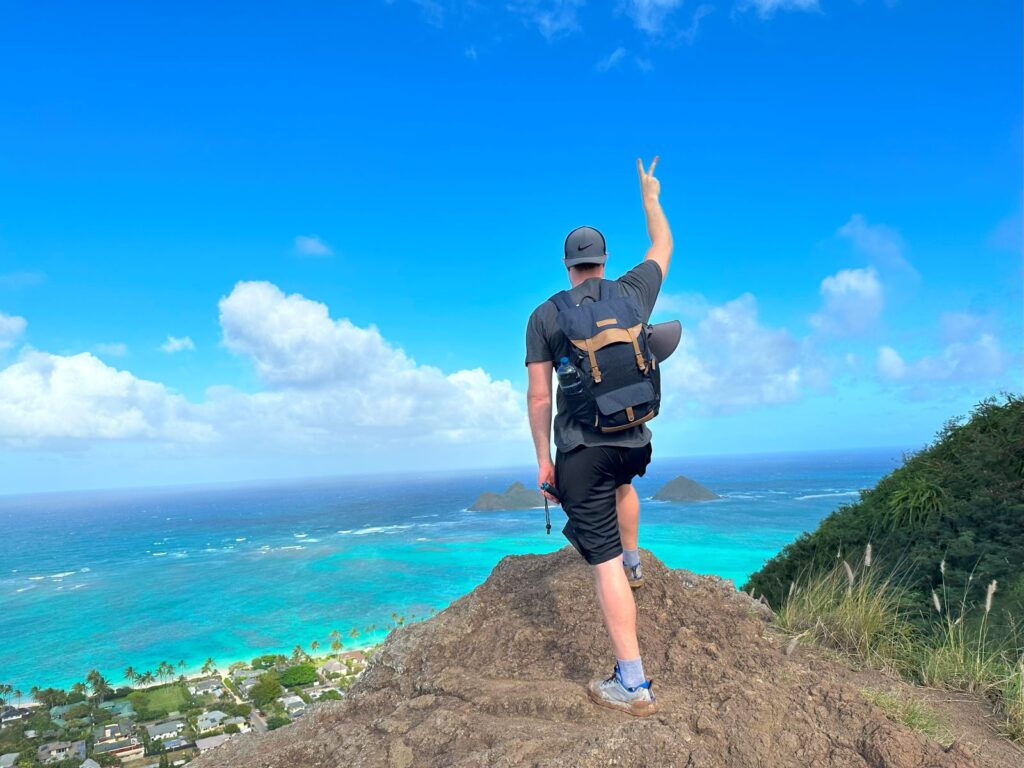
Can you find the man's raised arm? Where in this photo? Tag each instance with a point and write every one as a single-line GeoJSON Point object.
{"type": "Point", "coordinates": [657, 225]}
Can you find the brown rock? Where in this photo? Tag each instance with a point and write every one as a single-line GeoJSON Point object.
{"type": "Point", "coordinates": [498, 680]}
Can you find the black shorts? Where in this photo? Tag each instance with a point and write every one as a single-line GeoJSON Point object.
{"type": "Point", "coordinates": [586, 479]}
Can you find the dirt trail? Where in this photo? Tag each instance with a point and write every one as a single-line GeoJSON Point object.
{"type": "Point", "coordinates": [497, 680]}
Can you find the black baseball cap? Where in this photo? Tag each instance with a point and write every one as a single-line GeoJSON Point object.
{"type": "Point", "coordinates": [584, 245]}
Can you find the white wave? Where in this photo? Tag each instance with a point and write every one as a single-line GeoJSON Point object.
{"type": "Point", "coordinates": [379, 529]}
{"type": "Point", "coordinates": [300, 535]}
{"type": "Point", "coordinates": [25, 588]}
{"type": "Point", "coordinates": [179, 554]}
{"type": "Point", "coordinates": [77, 586]}
{"type": "Point", "coordinates": [159, 554]}
{"type": "Point", "coordinates": [36, 578]}
{"type": "Point", "coordinates": [241, 539]}
{"type": "Point", "coordinates": [62, 575]}
{"type": "Point", "coordinates": [310, 541]}
{"type": "Point", "coordinates": [827, 495]}
{"type": "Point", "coordinates": [293, 546]}
{"type": "Point", "coordinates": [84, 570]}
{"type": "Point", "coordinates": [422, 538]}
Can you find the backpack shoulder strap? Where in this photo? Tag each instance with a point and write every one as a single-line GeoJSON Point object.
{"type": "Point", "coordinates": [610, 289]}
{"type": "Point", "coordinates": [562, 301]}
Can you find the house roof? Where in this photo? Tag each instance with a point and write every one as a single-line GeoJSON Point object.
{"type": "Point", "coordinates": [170, 726]}
{"type": "Point", "coordinates": [210, 742]}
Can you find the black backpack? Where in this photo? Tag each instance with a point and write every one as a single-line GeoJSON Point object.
{"type": "Point", "coordinates": [608, 345]}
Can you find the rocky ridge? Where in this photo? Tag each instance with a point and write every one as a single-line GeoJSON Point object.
{"type": "Point", "coordinates": [496, 680]}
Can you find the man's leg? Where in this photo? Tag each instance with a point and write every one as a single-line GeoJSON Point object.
{"type": "Point", "coordinates": [627, 507]}
{"type": "Point", "coordinates": [617, 606]}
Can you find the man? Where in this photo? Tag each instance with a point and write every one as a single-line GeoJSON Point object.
{"type": "Point", "coordinates": [593, 472]}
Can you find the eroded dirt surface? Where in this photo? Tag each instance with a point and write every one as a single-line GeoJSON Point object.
{"type": "Point", "coordinates": [497, 679]}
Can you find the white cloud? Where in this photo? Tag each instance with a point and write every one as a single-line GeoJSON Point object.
{"type": "Point", "coordinates": [961, 326]}
{"type": "Point", "coordinates": [552, 18]}
{"type": "Point", "coordinates": [113, 350]}
{"type": "Point", "coordinates": [853, 302]}
{"type": "Point", "coordinates": [650, 15]}
{"type": "Point", "coordinates": [330, 388]}
{"type": "Point", "coordinates": [731, 361]}
{"type": "Point", "coordinates": [959, 362]}
{"type": "Point", "coordinates": [881, 244]}
{"type": "Point", "coordinates": [177, 344]}
{"type": "Point", "coordinates": [890, 364]}
{"type": "Point", "coordinates": [332, 373]}
{"type": "Point", "coordinates": [690, 33]}
{"type": "Point", "coordinates": [611, 60]}
{"type": "Point", "coordinates": [312, 245]}
{"type": "Point", "coordinates": [767, 8]}
{"type": "Point", "coordinates": [46, 397]}
{"type": "Point", "coordinates": [11, 328]}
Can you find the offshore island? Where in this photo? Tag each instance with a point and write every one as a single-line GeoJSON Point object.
{"type": "Point", "coordinates": [685, 490]}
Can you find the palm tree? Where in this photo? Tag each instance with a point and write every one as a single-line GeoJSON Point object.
{"type": "Point", "coordinates": [34, 692]}
{"type": "Point", "coordinates": [5, 691]}
{"type": "Point", "coordinates": [298, 653]}
{"type": "Point", "coordinates": [181, 665]}
{"type": "Point", "coordinates": [147, 678]}
{"type": "Point", "coordinates": [131, 675]}
{"type": "Point", "coordinates": [79, 688]}
{"type": "Point", "coordinates": [99, 685]}
{"type": "Point", "coordinates": [336, 644]}
{"type": "Point", "coordinates": [314, 646]}
{"type": "Point", "coordinates": [209, 667]}
{"type": "Point", "coordinates": [353, 633]}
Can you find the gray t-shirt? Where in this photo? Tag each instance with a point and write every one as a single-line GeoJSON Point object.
{"type": "Point", "coordinates": [546, 343]}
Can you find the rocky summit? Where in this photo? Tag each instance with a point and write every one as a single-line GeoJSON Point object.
{"type": "Point", "coordinates": [497, 679]}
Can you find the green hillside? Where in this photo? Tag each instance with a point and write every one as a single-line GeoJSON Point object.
{"type": "Point", "coordinates": [959, 501]}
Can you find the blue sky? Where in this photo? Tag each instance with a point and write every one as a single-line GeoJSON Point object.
{"type": "Point", "coordinates": [251, 241]}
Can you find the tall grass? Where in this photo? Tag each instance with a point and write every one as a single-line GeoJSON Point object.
{"type": "Point", "coordinates": [862, 614]}
{"type": "Point", "coordinates": [854, 611]}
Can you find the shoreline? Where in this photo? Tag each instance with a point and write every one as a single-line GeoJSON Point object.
{"type": "Point", "coordinates": [188, 674]}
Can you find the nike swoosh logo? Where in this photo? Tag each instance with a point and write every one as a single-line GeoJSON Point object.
{"type": "Point", "coordinates": [583, 247]}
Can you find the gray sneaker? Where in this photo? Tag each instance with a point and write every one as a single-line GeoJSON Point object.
{"type": "Point", "coordinates": [611, 693]}
{"type": "Point", "coordinates": [634, 575]}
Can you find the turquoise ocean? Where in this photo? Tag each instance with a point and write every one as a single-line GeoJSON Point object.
{"type": "Point", "coordinates": [110, 579]}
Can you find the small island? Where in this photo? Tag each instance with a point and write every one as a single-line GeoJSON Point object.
{"type": "Point", "coordinates": [685, 489]}
{"type": "Point", "coordinates": [518, 496]}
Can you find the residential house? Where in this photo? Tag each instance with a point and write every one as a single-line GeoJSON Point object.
{"type": "Point", "coordinates": [332, 667]}
{"type": "Point", "coordinates": [241, 722]}
{"type": "Point", "coordinates": [122, 709]}
{"type": "Point", "coordinates": [210, 720]}
{"type": "Point", "coordinates": [90, 763]}
{"type": "Point", "coordinates": [55, 751]}
{"type": "Point", "coordinates": [168, 729]}
{"type": "Point", "coordinates": [293, 705]}
{"type": "Point", "coordinates": [13, 714]}
{"type": "Point", "coordinates": [209, 687]}
{"type": "Point", "coordinates": [245, 673]}
{"type": "Point", "coordinates": [9, 760]}
{"type": "Point", "coordinates": [211, 742]}
{"type": "Point", "coordinates": [123, 749]}
{"type": "Point", "coordinates": [315, 693]}
{"type": "Point", "coordinates": [171, 744]}
{"type": "Point", "coordinates": [112, 731]}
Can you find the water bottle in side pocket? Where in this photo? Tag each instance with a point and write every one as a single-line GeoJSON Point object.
{"type": "Point", "coordinates": [570, 380]}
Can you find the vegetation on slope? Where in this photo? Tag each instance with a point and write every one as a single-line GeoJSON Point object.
{"type": "Point", "coordinates": [952, 515]}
